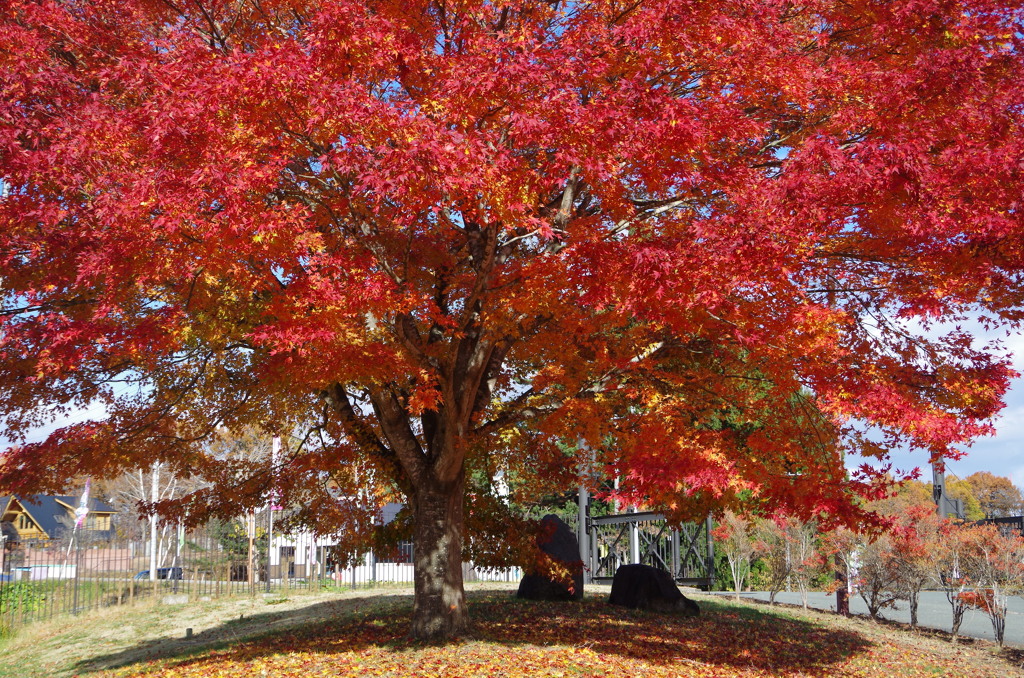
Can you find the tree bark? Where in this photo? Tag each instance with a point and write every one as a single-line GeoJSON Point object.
{"type": "Point", "coordinates": [958, 617]}
{"type": "Point", "coordinates": [439, 608]}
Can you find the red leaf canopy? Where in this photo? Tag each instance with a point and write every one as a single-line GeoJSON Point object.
{"type": "Point", "coordinates": [431, 237]}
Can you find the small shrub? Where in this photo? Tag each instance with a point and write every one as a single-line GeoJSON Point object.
{"type": "Point", "coordinates": [22, 596]}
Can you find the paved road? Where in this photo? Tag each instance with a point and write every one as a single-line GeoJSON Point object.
{"type": "Point", "coordinates": [933, 611]}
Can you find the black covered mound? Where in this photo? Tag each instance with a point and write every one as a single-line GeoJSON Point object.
{"type": "Point", "coordinates": [559, 543]}
{"type": "Point", "coordinates": [644, 587]}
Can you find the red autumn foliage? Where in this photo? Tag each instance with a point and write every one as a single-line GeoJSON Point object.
{"type": "Point", "coordinates": [433, 241]}
{"type": "Point", "coordinates": [548, 640]}
{"type": "Point", "coordinates": [994, 564]}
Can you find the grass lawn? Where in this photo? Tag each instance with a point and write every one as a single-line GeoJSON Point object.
{"type": "Point", "coordinates": [362, 634]}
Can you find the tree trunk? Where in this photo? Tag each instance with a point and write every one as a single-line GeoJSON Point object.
{"type": "Point", "coordinates": [439, 608]}
{"type": "Point", "coordinates": [958, 617]}
{"type": "Point", "coordinates": [913, 598]}
{"type": "Point", "coordinates": [739, 572]}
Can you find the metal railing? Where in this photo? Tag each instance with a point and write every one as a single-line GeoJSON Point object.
{"type": "Point", "coordinates": [686, 552]}
{"type": "Point", "coordinates": [1006, 524]}
{"type": "Point", "coordinates": [39, 581]}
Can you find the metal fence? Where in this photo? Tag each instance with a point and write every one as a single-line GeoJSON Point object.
{"type": "Point", "coordinates": [686, 552]}
{"type": "Point", "coordinates": [39, 581]}
{"type": "Point", "coordinates": [1007, 525]}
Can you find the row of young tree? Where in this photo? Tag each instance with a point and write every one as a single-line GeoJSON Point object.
{"type": "Point", "coordinates": [976, 565]}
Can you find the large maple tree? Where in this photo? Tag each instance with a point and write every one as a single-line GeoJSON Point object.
{"type": "Point", "coordinates": [439, 240]}
{"type": "Point", "coordinates": [997, 495]}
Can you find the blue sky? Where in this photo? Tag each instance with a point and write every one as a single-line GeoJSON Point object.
{"type": "Point", "coordinates": [1000, 454]}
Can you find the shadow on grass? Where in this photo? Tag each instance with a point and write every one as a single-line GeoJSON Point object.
{"type": "Point", "coordinates": [270, 626]}
{"type": "Point", "coordinates": [723, 636]}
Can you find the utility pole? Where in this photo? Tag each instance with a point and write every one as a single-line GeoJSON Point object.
{"type": "Point", "coordinates": [944, 504]}
{"type": "Point", "coordinates": [583, 534]}
{"type": "Point", "coordinates": [154, 497]}
{"type": "Point", "coordinates": [939, 488]}
{"type": "Point", "coordinates": [634, 539]}
{"type": "Point", "coordinates": [275, 450]}
{"type": "Point", "coordinates": [252, 539]}
{"type": "Point", "coordinates": [179, 541]}
{"type": "Point", "coordinates": [270, 542]}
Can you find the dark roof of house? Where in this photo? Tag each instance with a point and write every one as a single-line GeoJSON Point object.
{"type": "Point", "coordinates": [7, 529]}
{"type": "Point", "coordinates": [48, 511]}
{"type": "Point", "coordinates": [95, 505]}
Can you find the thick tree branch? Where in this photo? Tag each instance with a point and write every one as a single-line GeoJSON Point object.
{"type": "Point", "coordinates": [363, 435]}
{"type": "Point", "coordinates": [395, 424]}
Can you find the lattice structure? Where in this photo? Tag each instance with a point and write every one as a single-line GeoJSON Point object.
{"type": "Point", "coordinates": [1007, 525]}
{"type": "Point", "coordinates": [687, 552]}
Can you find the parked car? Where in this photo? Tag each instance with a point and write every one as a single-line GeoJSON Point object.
{"type": "Point", "coordinates": [162, 573]}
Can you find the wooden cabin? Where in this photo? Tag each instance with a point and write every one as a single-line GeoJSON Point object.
{"type": "Point", "coordinates": [42, 517]}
